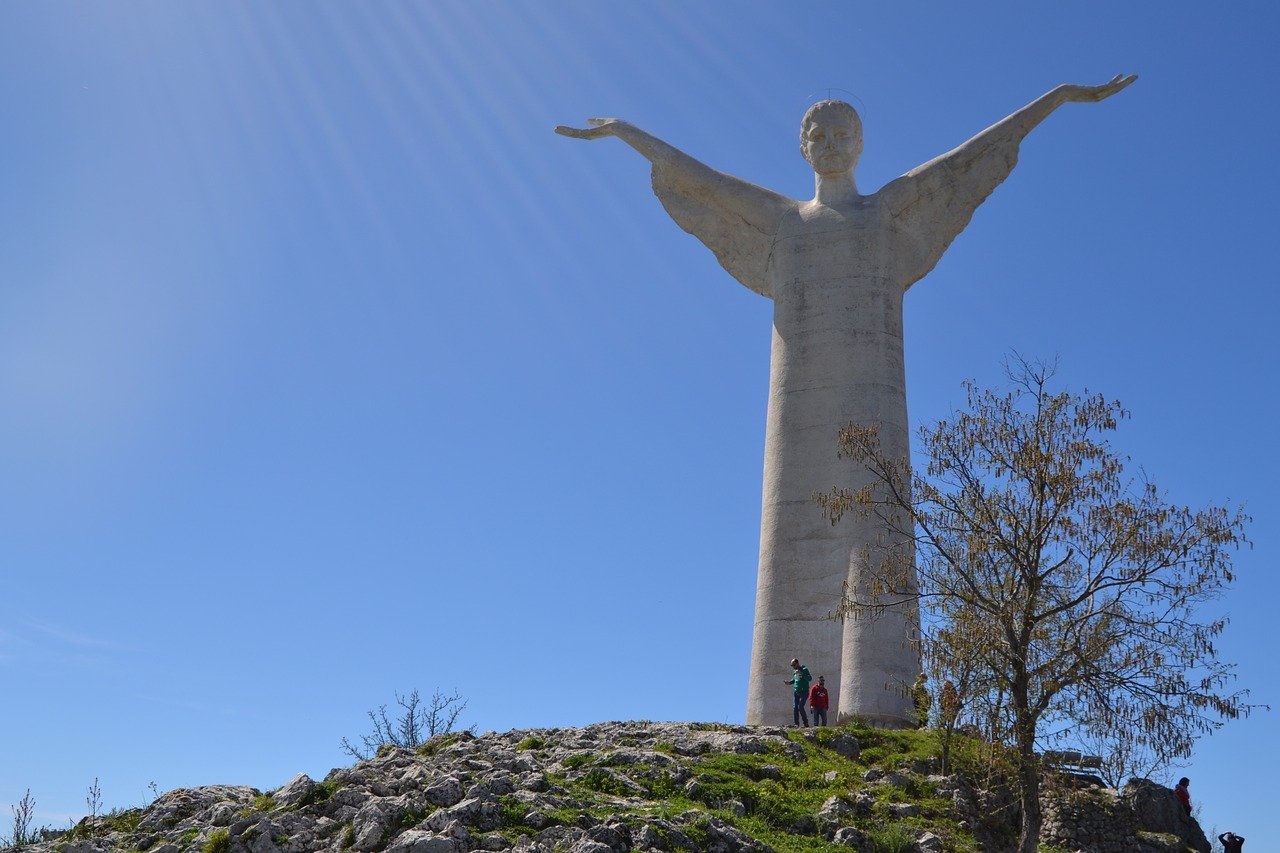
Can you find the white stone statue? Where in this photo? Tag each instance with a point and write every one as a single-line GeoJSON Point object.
{"type": "Point", "coordinates": [836, 268]}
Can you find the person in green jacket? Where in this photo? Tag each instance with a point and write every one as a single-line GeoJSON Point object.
{"type": "Point", "coordinates": [800, 680]}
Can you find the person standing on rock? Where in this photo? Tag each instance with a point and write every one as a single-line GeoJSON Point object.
{"type": "Point", "coordinates": [922, 700]}
{"type": "Point", "coordinates": [1231, 843]}
{"type": "Point", "coordinates": [1184, 795]}
{"type": "Point", "coordinates": [948, 705]}
{"type": "Point", "coordinates": [818, 700]}
{"type": "Point", "coordinates": [800, 680]}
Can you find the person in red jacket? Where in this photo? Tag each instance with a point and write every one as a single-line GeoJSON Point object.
{"type": "Point", "coordinates": [818, 701]}
{"type": "Point", "coordinates": [1183, 795]}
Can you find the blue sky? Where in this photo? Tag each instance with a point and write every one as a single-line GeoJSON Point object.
{"type": "Point", "coordinates": [327, 370]}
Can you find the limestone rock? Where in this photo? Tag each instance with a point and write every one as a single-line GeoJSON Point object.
{"type": "Point", "coordinates": [1156, 809]}
{"type": "Point", "coordinates": [469, 797]}
{"type": "Point", "coordinates": [414, 841]}
{"type": "Point", "coordinates": [294, 791]}
{"type": "Point", "coordinates": [446, 792]}
{"type": "Point", "coordinates": [850, 837]}
{"type": "Point", "coordinates": [929, 843]}
{"type": "Point", "coordinates": [846, 745]}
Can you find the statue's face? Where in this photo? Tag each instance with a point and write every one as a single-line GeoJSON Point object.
{"type": "Point", "coordinates": [832, 143]}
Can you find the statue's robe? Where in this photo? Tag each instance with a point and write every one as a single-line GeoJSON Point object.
{"type": "Point", "coordinates": [837, 279]}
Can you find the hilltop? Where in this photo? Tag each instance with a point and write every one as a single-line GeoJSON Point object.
{"type": "Point", "coordinates": [617, 787]}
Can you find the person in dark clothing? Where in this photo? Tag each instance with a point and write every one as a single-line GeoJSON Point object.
{"type": "Point", "coordinates": [800, 680]}
{"type": "Point", "coordinates": [1183, 795]}
{"type": "Point", "coordinates": [818, 701]}
{"type": "Point", "coordinates": [1231, 843]}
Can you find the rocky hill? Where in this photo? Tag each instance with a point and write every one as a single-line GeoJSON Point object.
{"type": "Point", "coordinates": [619, 787]}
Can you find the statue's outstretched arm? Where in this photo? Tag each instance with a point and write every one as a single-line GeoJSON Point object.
{"type": "Point", "coordinates": [753, 203]}
{"type": "Point", "coordinates": [1013, 129]}
{"type": "Point", "coordinates": [934, 202]}
{"type": "Point", "coordinates": [651, 147]}
{"type": "Point", "coordinates": [736, 219]}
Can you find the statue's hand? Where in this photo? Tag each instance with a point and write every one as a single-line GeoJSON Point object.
{"type": "Point", "coordinates": [1092, 94]}
{"type": "Point", "coordinates": [601, 127]}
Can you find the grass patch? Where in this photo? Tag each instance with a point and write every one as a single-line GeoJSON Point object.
{"type": "Point", "coordinates": [515, 818]}
{"type": "Point", "coordinates": [889, 746]}
{"type": "Point", "coordinates": [603, 782]}
{"type": "Point", "coordinates": [891, 839]}
{"type": "Point", "coordinates": [513, 810]}
{"type": "Point", "coordinates": [123, 820]}
{"type": "Point", "coordinates": [412, 818]}
{"type": "Point", "coordinates": [318, 794]}
{"type": "Point", "coordinates": [263, 803]}
{"type": "Point", "coordinates": [662, 786]}
{"type": "Point", "coordinates": [780, 791]}
{"type": "Point", "coordinates": [219, 841]}
{"type": "Point", "coordinates": [439, 742]}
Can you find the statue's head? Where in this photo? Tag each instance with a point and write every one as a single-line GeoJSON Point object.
{"type": "Point", "coordinates": [831, 137]}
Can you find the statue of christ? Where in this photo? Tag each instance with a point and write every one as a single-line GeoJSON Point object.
{"type": "Point", "coordinates": [836, 268]}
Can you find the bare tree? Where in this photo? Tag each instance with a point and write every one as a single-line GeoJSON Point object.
{"type": "Point", "coordinates": [23, 832]}
{"type": "Point", "coordinates": [1123, 759]}
{"type": "Point", "coordinates": [93, 799]}
{"type": "Point", "coordinates": [1074, 587]}
{"type": "Point", "coordinates": [415, 724]}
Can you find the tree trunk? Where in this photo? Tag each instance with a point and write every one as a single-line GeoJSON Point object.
{"type": "Point", "coordinates": [1029, 791]}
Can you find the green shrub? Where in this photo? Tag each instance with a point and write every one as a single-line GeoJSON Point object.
{"type": "Point", "coordinates": [531, 742]}
{"type": "Point", "coordinates": [122, 820]}
{"type": "Point", "coordinates": [663, 786]}
{"type": "Point", "coordinates": [514, 810]}
{"type": "Point", "coordinates": [699, 831]}
{"type": "Point", "coordinates": [219, 841]}
{"type": "Point", "coordinates": [603, 782]}
{"type": "Point", "coordinates": [412, 818]}
{"type": "Point", "coordinates": [578, 759]}
{"type": "Point", "coordinates": [318, 794]}
{"type": "Point", "coordinates": [263, 803]}
{"type": "Point", "coordinates": [891, 839]}
{"type": "Point", "coordinates": [438, 742]}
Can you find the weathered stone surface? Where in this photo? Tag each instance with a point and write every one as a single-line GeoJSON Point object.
{"type": "Point", "coordinates": [446, 792]}
{"type": "Point", "coordinates": [616, 836]}
{"type": "Point", "coordinates": [171, 809]}
{"type": "Point", "coordinates": [223, 814]}
{"type": "Point", "coordinates": [836, 809]}
{"type": "Point", "coordinates": [294, 791]}
{"type": "Point", "coordinates": [1156, 809]}
{"type": "Point", "coordinates": [929, 843]}
{"type": "Point", "coordinates": [847, 745]}
{"type": "Point", "coordinates": [414, 841]}
{"type": "Point", "coordinates": [850, 837]}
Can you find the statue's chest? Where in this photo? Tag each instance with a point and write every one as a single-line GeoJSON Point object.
{"type": "Point", "coordinates": [827, 260]}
